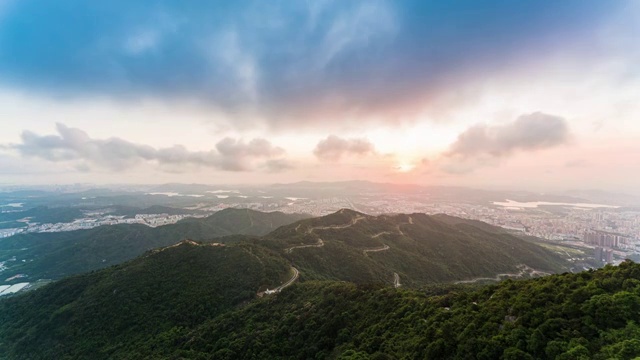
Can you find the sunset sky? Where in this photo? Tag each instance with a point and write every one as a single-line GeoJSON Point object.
{"type": "Point", "coordinates": [537, 95]}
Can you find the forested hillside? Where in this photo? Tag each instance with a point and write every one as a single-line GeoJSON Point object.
{"type": "Point", "coordinates": [105, 313]}
{"type": "Point", "coordinates": [187, 302]}
{"type": "Point", "coordinates": [56, 255]}
{"type": "Point", "coordinates": [590, 315]}
{"type": "Point", "coordinates": [420, 249]}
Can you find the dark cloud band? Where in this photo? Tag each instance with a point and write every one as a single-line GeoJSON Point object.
{"type": "Point", "coordinates": [278, 61]}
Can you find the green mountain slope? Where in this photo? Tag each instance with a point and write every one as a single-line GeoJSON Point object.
{"type": "Point", "coordinates": [420, 249]}
{"type": "Point", "coordinates": [198, 302]}
{"type": "Point", "coordinates": [102, 314]}
{"type": "Point", "coordinates": [55, 255]}
{"type": "Point", "coordinates": [591, 315]}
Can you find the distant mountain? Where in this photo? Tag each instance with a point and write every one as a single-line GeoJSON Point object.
{"type": "Point", "coordinates": [185, 188]}
{"type": "Point", "coordinates": [56, 255]}
{"type": "Point", "coordinates": [433, 193]}
{"type": "Point", "coordinates": [417, 248]}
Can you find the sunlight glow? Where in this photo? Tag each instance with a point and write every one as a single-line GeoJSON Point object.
{"type": "Point", "coordinates": [404, 167]}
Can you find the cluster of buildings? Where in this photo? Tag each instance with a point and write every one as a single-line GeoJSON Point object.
{"type": "Point", "coordinates": [151, 220]}
{"type": "Point", "coordinates": [314, 207]}
{"type": "Point", "coordinates": [605, 239]}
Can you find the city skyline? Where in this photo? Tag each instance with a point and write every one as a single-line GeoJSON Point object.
{"type": "Point", "coordinates": [540, 96]}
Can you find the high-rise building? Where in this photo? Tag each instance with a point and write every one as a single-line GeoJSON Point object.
{"type": "Point", "coordinates": [598, 254]}
{"type": "Point", "coordinates": [603, 255]}
{"type": "Point", "coordinates": [605, 239]}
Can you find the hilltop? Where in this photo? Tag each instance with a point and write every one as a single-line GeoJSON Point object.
{"type": "Point", "coordinates": [416, 248]}
{"type": "Point", "coordinates": [56, 255]}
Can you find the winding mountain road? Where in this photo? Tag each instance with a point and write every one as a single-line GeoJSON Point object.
{"type": "Point", "coordinates": [320, 243]}
{"type": "Point", "coordinates": [524, 269]}
{"type": "Point", "coordinates": [383, 248]}
{"type": "Point", "coordinates": [351, 223]}
{"type": "Point", "coordinates": [295, 276]}
{"type": "Point", "coordinates": [380, 234]}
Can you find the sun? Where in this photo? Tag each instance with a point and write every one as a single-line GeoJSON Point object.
{"type": "Point", "coordinates": [404, 167]}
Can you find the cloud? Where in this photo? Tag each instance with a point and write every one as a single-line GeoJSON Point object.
{"type": "Point", "coordinates": [527, 133]}
{"type": "Point", "coordinates": [71, 144]}
{"type": "Point", "coordinates": [356, 29]}
{"type": "Point", "coordinates": [484, 145]}
{"type": "Point", "coordinates": [333, 148]}
{"type": "Point", "coordinates": [272, 63]}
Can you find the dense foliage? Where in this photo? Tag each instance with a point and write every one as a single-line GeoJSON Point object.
{"type": "Point", "coordinates": [179, 304]}
{"type": "Point", "coordinates": [591, 315]}
{"type": "Point", "coordinates": [55, 255]}
{"type": "Point", "coordinates": [199, 300]}
{"type": "Point", "coordinates": [107, 313]}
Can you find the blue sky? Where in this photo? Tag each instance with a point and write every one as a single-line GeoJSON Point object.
{"type": "Point", "coordinates": [298, 72]}
{"type": "Point", "coordinates": [280, 58]}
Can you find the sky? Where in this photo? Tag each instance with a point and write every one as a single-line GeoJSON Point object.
{"type": "Point", "coordinates": [537, 95]}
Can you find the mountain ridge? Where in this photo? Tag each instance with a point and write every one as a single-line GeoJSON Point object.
{"type": "Point", "coordinates": [55, 255]}
{"type": "Point", "coordinates": [420, 248]}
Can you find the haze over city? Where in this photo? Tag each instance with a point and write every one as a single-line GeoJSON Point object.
{"type": "Point", "coordinates": [530, 95]}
